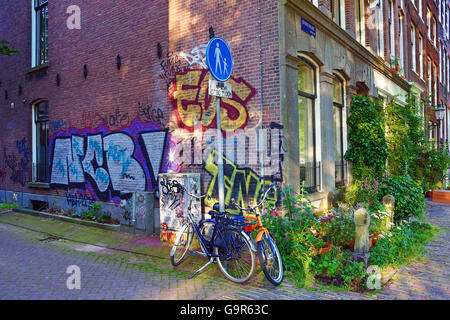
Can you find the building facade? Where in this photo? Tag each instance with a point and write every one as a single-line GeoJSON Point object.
{"type": "Point", "coordinates": [105, 96]}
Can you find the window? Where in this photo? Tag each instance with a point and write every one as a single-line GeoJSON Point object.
{"type": "Point", "coordinates": [429, 22]}
{"type": "Point", "coordinates": [379, 19]}
{"type": "Point", "coordinates": [39, 32]}
{"type": "Point", "coordinates": [435, 32]}
{"type": "Point", "coordinates": [413, 48]}
{"type": "Point", "coordinates": [338, 12]}
{"type": "Point", "coordinates": [40, 142]}
{"type": "Point", "coordinates": [441, 63]}
{"type": "Point", "coordinates": [421, 56]}
{"type": "Point", "coordinates": [360, 23]}
{"type": "Point", "coordinates": [429, 76]}
{"type": "Point", "coordinates": [400, 40]}
{"type": "Point", "coordinates": [435, 84]}
{"type": "Point", "coordinates": [420, 8]}
{"type": "Point", "coordinates": [338, 109]}
{"type": "Point", "coordinates": [391, 29]}
{"type": "Point", "coordinates": [307, 95]}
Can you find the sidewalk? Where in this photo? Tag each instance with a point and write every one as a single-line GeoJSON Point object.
{"type": "Point", "coordinates": [117, 265]}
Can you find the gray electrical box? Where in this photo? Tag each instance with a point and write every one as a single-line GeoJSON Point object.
{"type": "Point", "coordinates": [139, 216]}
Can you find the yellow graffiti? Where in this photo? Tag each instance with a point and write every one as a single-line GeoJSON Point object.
{"type": "Point", "coordinates": [242, 184]}
{"type": "Point", "coordinates": [193, 103]}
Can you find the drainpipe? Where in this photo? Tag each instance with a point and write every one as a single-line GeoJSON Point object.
{"type": "Point", "coordinates": [261, 159]}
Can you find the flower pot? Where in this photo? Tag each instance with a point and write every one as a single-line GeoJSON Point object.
{"type": "Point", "coordinates": [374, 238]}
{"type": "Point", "coordinates": [352, 244]}
{"type": "Point", "coordinates": [325, 249]}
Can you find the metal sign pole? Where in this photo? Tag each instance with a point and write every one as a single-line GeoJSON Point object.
{"type": "Point", "coordinates": [220, 181]}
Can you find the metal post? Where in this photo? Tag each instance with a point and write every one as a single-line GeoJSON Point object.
{"type": "Point", "coordinates": [220, 181]}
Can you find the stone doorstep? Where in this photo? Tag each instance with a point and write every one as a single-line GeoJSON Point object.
{"type": "Point", "coordinates": [111, 227]}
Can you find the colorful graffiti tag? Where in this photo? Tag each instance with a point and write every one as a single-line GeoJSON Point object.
{"type": "Point", "coordinates": [112, 163]}
{"type": "Point", "coordinates": [241, 184]}
{"type": "Point", "coordinates": [191, 101]}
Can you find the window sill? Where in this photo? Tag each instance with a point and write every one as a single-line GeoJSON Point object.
{"type": "Point", "coordinates": [38, 67]}
{"type": "Point", "coordinates": [39, 185]}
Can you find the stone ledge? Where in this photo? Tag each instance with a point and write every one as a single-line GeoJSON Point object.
{"type": "Point", "coordinates": [110, 227]}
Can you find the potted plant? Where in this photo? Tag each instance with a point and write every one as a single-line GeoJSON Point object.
{"type": "Point", "coordinates": [395, 62]}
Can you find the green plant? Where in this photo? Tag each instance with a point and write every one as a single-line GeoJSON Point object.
{"type": "Point", "coordinates": [407, 192]}
{"type": "Point", "coordinates": [338, 227]}
{"type": "Point", "coordinates": [106, 217]}
{"type": "Point", "coordinates": [368, 149]}
{"type": "Point", "coordinates": [7, 205]}
{"type": "Point", "coordinates": [404, 243]}
{"type": "Point", "coordinates": [88, 215]}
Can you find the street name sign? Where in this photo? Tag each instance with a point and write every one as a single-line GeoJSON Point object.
{"type": "Point", "coordinates": [220, 89]}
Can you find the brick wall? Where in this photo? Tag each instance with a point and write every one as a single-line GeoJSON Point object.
{"type": "Point", "coordinates": [140, 89]}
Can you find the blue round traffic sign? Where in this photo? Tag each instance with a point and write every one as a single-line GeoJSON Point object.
{"type": "Point", "coordinates": [219, 59]}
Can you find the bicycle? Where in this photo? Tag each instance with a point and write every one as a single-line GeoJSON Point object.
{"type": "Point", "coordinates": [220, 239]}
{"type": "Point", "coordinates": [268, 253]}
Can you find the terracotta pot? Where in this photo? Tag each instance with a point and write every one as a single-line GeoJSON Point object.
{"type": "Point", "coordinates": [374, 238]}
{"type": "Point", "coordinates": [352, 244]}
{"type": "Point", "coordinates": [326, 249]}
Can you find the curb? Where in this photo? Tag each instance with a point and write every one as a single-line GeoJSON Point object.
{"type": "Point", "coordinates": [110, 227]}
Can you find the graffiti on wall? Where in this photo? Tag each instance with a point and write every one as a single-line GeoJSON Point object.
{"type": "Point", "coordinates": [241, 184]}
{"type": "Point", "coordinates": [80, 200]}
{"type": "Point", "coordinates": [196, 58]}
{"type": "Point", "coordinates": [173, 201]}
{"type": "Point", "coordinates": [111, 163]}
{"type": "Point", "coordinates": [171, 65]}
{"type": "Point", "coordinates": [192, 102]}
{"type": "Point", "coordinates": [151, 113]}
{"type": "Point", "coordinates": [17, 163]}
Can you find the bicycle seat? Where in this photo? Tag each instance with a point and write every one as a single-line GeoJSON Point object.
{"type": "Point", "coordinates": [216, 206]}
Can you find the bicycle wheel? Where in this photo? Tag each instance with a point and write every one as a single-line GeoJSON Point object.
{"type": "Point", "coordinates": [270, 259]}
{"type": "Point", "coordinates": [181, 246]}
{"type": "Point", "coordinates": [239, 267]}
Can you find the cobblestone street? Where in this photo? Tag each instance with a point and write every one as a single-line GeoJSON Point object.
{"type": "Point", "coordinates": [33, 266]}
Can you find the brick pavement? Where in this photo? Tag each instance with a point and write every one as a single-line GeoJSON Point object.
{"type": "Point", "coordinates": [35, 269]}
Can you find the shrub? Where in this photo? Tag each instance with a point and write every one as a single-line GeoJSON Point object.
{"type": "Point", "coordinates": [338, 225]}
{"type": "Point", "coordinates": [368, 148]}
{"type": "Point", "coordinates": [404, 243]}
{"type": "Point", "coordinates": [106, 217]}
{"type": "Point", "coordinates": [408, 194]}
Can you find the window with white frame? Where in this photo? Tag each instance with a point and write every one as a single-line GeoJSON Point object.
{"type": "Point", "coordinates": [421, 56]}
{"type": "Point", "coordinates": [435, 84]}
{"type": "Point", "coordinates": [39, 29]}
{"type": "Point", "coordinates": [435, 32]}
{"type": "Point", "coordinates": [391, 29]}
{"type": "Point", "coordinates": [441, 63]}
{"type": "Point", "coordinates": [339, 127]}
{"type": "Point", "coordinates": [379, 20]}
{"type": "Point", "coordinates": [40, 135]}
{"type": "Point", "coordinates": [338, 12]}
{"type": "Point", "coordinates": [360, 22]}
{"type": "Point", "coordinates": [429, 26]}
{"type": "Point", "coordinates": [430, 78]}
{"type": "Point", "coordinates": [400, 40]}
{"type": "Point", "coordinates": [420, 8]}
{"type": "Point", "coordinates": [307, 96]}
{"type": "Point", "coordinates": [413, 47]}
